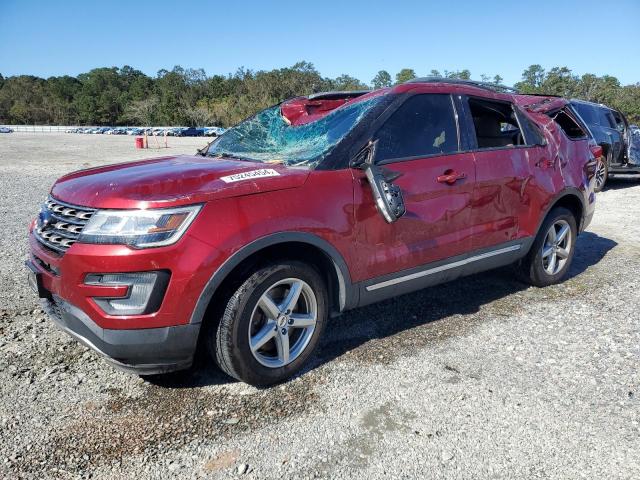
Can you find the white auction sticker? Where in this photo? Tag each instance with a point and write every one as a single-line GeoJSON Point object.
{"type": "Point", "coordinates": [237, 177]}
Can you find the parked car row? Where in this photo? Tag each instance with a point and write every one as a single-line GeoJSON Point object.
{"type": "Point", "coordinates": [155, 131]}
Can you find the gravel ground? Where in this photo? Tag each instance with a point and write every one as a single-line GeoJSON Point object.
{"type": "Point", "coordinates": [480, 378]}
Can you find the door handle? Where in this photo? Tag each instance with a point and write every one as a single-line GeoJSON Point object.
{"type": "Point", "coordinates": [450, 177]}
{"type": "Point", "coordinates": [546, 163]}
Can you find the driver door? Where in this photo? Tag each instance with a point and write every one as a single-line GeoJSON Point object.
{"type": "Point", "coordinates": [419, 140]}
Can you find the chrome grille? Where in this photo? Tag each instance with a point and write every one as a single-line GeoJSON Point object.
{"type": "Point", "coordinates": [59, 224]}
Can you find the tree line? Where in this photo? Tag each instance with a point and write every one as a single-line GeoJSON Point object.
{"type": "Point", "coordinates": [126, 96]}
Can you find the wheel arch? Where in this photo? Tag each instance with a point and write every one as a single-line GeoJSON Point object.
{"type": "Point", "coordinates": [571, 199]}
{"type": "Point", "coordinates": [285, 245]}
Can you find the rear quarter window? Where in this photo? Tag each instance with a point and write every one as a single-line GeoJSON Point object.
{"type": "Point", "coordinates": [568, 125]}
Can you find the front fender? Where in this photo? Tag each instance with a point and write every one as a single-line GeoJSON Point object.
{"type": "Point", "coordinates": [348, 295]}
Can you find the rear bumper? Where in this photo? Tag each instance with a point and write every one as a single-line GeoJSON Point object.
{"type": "Point", "coordinates": [142, 351]}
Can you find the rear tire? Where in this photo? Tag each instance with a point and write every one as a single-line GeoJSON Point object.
{"type": "Point", "coordinates": [552, 251]}
{"type": "Point", "coordinates": [272, 324]}
{"type": "Point", "coordinates": [602, 173]}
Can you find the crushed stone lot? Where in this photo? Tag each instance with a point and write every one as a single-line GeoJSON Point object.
{"type": "Point", "coordinates": [480, 378]}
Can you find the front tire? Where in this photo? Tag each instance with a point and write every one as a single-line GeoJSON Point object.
{"type": "Point", "coordinates": [272, 324]}
{"type": "Point", "coordinates": [552, 252]}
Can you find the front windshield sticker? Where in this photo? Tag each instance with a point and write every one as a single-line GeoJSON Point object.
{"type": "Point", "coordinates": [237, 177]}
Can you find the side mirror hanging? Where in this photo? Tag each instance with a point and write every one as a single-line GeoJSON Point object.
{"type": "Point", "coordinates": [387, 195]}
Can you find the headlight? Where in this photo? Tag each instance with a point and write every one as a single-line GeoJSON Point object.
{"type": "Point", "coordinates": [138, 228]}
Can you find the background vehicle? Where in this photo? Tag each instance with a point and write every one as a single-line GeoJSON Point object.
{"type": "Point", "coordinates": [610, 129]}
{"type": "Point", "coordinates": [213, 131]}
{"type": "Point", "coordinates": [320, 204]}
{"type": "Point", "coordinates": [190, 132]}
{"type": "Point", "coordinates": [6, 130]}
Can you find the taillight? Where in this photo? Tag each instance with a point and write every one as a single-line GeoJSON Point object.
{"type": "Point", "coordinates": [591, 165]}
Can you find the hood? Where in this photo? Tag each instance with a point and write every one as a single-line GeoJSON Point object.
{"type": "Point", "coordinates": [172, 181]}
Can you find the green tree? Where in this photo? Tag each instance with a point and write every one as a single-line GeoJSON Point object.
{"type": "Point", "coordinates": [560, 81]}
{"type": "Point", "coordinates": [405, 75]}
{"type": "Point", "coordinates": [532, 79]}
{"type": "Point", "coordinates": [180, 96]}
{"type": "Point", "coordinates": [382, 79]}
{"type": "Point", "coordinates": [346, 82]}
{"type": "Point", "coordinates": [458, 74]}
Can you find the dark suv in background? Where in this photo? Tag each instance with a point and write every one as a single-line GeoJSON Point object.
{"type": "Point", "coordinates": [610, 129]}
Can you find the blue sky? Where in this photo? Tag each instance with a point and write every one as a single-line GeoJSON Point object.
{"type": "Point", "coordinates": [355, 37]}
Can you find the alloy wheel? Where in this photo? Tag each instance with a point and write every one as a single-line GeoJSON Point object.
{"type": "Point", "coordinates": [282, 322]}
{"type": "Point", "coordinates": [557, 246]}
{"type": "Point", "coordinates": [601, 174]}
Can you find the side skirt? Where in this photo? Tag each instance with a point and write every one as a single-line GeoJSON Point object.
{"type": "Point", "coordinates": [410, 280]}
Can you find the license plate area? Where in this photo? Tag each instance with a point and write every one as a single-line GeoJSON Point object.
{"type": "Point", "coordinates": [34, 280]}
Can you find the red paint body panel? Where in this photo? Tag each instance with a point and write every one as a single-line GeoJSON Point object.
{"type": "Point", "coordinates": [168, 182]}
{"type": "Point", "coordinates": [500, 196]}
{"type": "Point", "coordinates": [437, 224]}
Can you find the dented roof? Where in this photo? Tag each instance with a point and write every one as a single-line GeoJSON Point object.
{"type": "Point", "coordinates": [307, 109]}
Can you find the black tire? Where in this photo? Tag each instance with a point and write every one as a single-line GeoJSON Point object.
{"type": "Point", "coordinates": [229, 344]}
{"type": "Point", "coordinates": [530, 269]}
{"type": "Point", "coordinates": [602, 164]}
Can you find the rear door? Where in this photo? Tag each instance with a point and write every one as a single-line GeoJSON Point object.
{"type": "Point", "coordinates": [505, 160]}
{"type": "Point", "coordinates": [420, 140]}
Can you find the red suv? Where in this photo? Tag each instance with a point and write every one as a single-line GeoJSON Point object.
{"type": "Point", "coordinates": [312, 207]}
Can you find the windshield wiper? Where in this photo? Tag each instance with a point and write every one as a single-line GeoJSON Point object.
{"type": "Point", "coordinates": [235, 157]}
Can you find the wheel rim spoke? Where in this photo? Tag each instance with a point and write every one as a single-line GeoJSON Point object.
{"type": "Point", "coordinates": [551, 235]}
{"type": "Point", "coordinates": [562, 233]}
{"type": "Point", "coordinates": [562, 253]}
{"type": "Point", "coordinates": [268, 306]}
{"type": "Point", "coordinates": [552, 264]}
{"type": "Point", "coordinates": [292, 297]}
{"type": "Point", "coordinates": [300, 320]}
{"type": "Point", "coordinates": [266, 333]}
{"type": "Point", "coordinates": [548, 250]}
{"type": "Point", "coordinates": [282, 344]}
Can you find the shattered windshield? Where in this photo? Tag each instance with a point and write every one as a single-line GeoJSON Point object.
{"type": "Point", "coordinates": [268, 137]}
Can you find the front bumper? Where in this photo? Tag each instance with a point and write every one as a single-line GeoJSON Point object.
{"type": "Point", "coordinates": [147, 351]}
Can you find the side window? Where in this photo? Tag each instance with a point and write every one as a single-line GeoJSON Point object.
{"type": "Point", "coordinates": [495, 124]}
{"type": "Point", "coordinates": [568, 125]}
{"type": "Point", "coordinates": [620, 125]}
{"type": "Point", "coordinates": [605, 119]}
{"type": "Point", "coordinates": [423, 125]}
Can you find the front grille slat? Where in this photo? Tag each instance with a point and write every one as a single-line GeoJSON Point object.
{"type": "Point", "coordinates": [60, 224]}
{"type": "Point", "coordinates": [74, 220]}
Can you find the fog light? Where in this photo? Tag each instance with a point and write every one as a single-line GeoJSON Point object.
{"type": "Point", "coordinates": [144, 294]}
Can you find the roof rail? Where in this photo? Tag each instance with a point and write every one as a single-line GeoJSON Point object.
{"type": "Point", "coordinates": [337, 95]}
{"type": "Point", "coordinates": [474, 83]}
